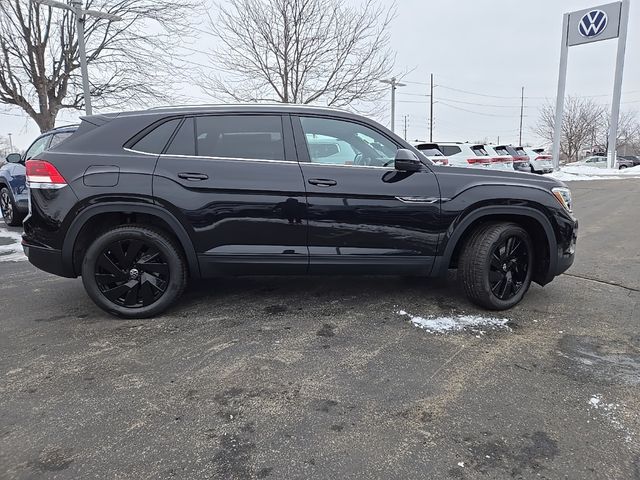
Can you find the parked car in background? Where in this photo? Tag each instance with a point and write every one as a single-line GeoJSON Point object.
{"type": "Point", "coordinates": [500, 162]}
{"type": "Point", "coordinates": [138, 202]}
{"type": "Point", "coordinates": [599, 161]}
{"type": "Point", "coordinates": [469, 155]}
{"type": "Point", "coordinates": [13, 189]}
{"type": "Point", "coordinates": [520, 162]}
{"type": "Point", "coordinates": [432, 152]}
{"type": "Point", "coordinates": [538, 161]}
{"type": "Point", "coordinates": [632, 158]}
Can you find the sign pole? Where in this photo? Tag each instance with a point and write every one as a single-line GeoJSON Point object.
{"type": "Point", "coordinates": [562, 83]}
{"type": "Point", "coordinates": [617, 85]}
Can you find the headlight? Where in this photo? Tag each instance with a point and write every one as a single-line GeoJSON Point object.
{"type": "Point", "coordinates": [563, 195]}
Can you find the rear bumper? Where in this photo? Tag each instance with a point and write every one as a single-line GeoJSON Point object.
{"type": "Point", "coordinates": [521, 166]}
{"type": "Point", "coordinates": [48, 259]}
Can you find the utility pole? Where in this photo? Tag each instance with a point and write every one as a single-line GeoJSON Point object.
{"type": "Point", "coordinates": [521, 115]}
{"type": "Point", "coordinates": [406, 117]}
{"type": "Point", "coordinates": [77, 8]}
{"type": "Point", "coordinates": [394, 84]}
{"type": "Point", "coordinates": [10, 142]}
{"type": "Point", "coordinates": [431, 111]}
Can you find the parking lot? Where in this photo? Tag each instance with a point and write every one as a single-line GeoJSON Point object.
{"type": "Point", "coordinates": [300, 378]}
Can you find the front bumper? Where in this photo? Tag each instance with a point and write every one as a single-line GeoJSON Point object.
{"type": "Point", "coordinates": [567, 248]}
{"type": "Point", "coordinates": [47, 259]}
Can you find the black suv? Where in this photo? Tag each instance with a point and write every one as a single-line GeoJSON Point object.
{"type": "Point", "coordinates": [138, 202]}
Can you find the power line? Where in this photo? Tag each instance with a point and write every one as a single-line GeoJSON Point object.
{"type": "Point", "coordinates": [478, 113]}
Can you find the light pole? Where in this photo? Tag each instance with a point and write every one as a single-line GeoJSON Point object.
{"type": "Point", "coordinates": [394, 84]}
{"type": "Point", "coordinates": [10, 142]}
{"type": "Point", "coordinates": [76, 6]}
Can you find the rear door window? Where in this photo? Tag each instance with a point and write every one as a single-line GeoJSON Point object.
{"type": "Point", "coordinates": [39, 146]}
{"type": "Point", "coordinates": [256, 137]}
{"type": "Point", "coordinates": [156, 139]}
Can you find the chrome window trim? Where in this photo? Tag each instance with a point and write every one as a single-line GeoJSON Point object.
{"type": "Point", "coordinates": [260, 160]}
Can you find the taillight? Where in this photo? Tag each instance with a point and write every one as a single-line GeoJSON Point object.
{"type": "Point", "coordinates": [41, 174]}
{"type": "Point", "coordinates": [481, 160]}
{"type": "Point", "coordinates": [543, 157]}
{"type": "Point", "coordinates": [520, 159]}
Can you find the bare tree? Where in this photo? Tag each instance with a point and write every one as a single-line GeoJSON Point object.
{"type": "Point", "coordinates": [628, 130]}
{"type": "Point", "coordinates": [5, 148]}
{"type": "Point", "coordinates": [130, 62]}
{"type": "Point", "coordinates": [300, 51]}
{"type": "Point", "coordinates": [582, 120]}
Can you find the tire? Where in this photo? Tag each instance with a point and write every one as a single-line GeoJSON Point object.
{"type": "Point", "coordinates": [533, 170]}
{"type": "Point", "coordinates": [484, 277]}
{"type": "Point", "coordinates": [134, 271]}
{"type": "Point", "coordinates": [622, 167]}
{"type": "Point", "coordinates": [10, 213]}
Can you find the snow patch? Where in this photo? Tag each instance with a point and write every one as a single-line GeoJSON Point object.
{"type": "Point", "coordinates": [611, 412]}
{"type": "Point", "coordinates": [573, 173]}
{"type": "Point", "coordinates": [473, 323]}
{"type": "Point", "coordinates": [11, 252]}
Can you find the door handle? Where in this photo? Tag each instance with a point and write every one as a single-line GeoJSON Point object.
{"type": "Point", "coordinates": [193, 176]}
{"type": "Point", "coordinates": [322, 182]}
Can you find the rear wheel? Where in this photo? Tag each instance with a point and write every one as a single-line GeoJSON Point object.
{"type": "Point", "coordinates": [10, 214]}
{"type": "Point", "coordinates": [134, 271]}
{"type": "Point", "coordinates": [495, 266]}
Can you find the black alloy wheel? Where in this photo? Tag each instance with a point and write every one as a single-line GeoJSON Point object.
{"type": "Point", "coordinates": [134, 271]}
{"type": "Point", "coordinates": [495, 266]}
{"type": "Point", "coordinates": [509, 267]}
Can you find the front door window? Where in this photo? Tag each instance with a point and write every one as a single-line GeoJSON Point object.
{"type": "Point", "coordinates": [339, 142]}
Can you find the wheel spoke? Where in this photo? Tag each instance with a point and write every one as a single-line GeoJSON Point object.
{"type": "Point", "coordinates": [115, 293]}
{"type": "Point", "coordinates": [131, 298]}
{"type": "Point", "coordinates": [506, 287]}
{"type": "Point", "coordinates": [107, 264]}
{"type": "Point", "coordinates": [131, 255]}
{"type": "Point", "coordinates": [160, 268]}
{"type": "Point", "coordinates": [106, 278]}
{"type": "Point", "coordinates": [146, 293]}
{"type": "Point", "coordinates": [495, 276]}
{"type": "Point", "coordinates": [496, 261]}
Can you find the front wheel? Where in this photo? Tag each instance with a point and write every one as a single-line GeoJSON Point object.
{"type": "Point", "coordinates": [622, 167]}
{"type": "Point", "coordinates": [134, 271]}
{"type": "Point", "coordinates": [495, 265]}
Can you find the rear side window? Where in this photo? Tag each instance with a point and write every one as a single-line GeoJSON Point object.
{"type": "Point", "coordinates": [156, 139]}
{"type": "Point", "coordinates": [184, 142]}
{"type": "Point", "coordinates": [58, 138]}
{"type": "Point", "coordinates": [39, 146]}
{"type": "Point", "coordinates": [240, 136]}
{"type": "Point", "coordinates": [449, 150]}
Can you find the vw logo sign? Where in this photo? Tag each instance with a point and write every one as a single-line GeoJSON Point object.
{"type": "Point", "coordinates": [593, 23]}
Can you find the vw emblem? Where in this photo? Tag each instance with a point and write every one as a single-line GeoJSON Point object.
{"type": "Point", "coordinates": [593, 23]}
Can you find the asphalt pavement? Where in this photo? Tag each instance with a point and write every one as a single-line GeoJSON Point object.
{"type": "Point", "coordinates": [322, 378]}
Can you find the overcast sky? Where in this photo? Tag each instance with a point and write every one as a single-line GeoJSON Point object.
{"type": "Point", "coordinates": [491, 48]}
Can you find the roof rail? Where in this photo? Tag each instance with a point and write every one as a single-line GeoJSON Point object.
{"type": "Point", "coordinates": [249, 104]}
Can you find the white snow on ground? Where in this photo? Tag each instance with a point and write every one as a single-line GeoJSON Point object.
{"type": "Point", "coordinates": [457, 323]}
{"type": "Point", "coordinates": [572, 173]}
{"type": "Point", "coordinates": [612, 412]}
{"type": "Point", "coordinates": [11, 252]}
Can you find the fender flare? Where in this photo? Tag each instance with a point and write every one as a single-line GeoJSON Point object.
{"type": "Point", "coordinates": [443, 262]}
{"type": "Point", "coordinates": [177, 228]}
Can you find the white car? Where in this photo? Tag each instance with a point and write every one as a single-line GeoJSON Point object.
{"type": "Point", "coordinates": [469, 155]}
{"type": "Point", "coordinates": [540, 163]}
{"type": "Point", "coordinates": [432, 152]}
{"type": "Point", "coordinates": [599, 161]}
{"type": "Point", "coordinates": [500, 161]}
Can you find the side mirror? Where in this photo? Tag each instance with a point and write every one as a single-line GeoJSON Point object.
{"type": "Point", "coordinates": [407, 161]}
{"type": "Point", "coordinates": [14, 158]}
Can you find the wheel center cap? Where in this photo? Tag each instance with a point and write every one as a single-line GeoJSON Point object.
{"type": "Point", "coordinates": [134, 273]}
{"type": "Point", "coordinates": [505, 267]}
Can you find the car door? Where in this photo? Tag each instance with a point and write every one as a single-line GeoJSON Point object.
{"type": "Point", "coordinates": [364, 216]}
{"type": "Point", "coordinates": [234, 180]}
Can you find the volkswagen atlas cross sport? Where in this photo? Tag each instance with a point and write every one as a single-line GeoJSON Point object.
{"type": "Point", "coordinates": [138, 202]}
